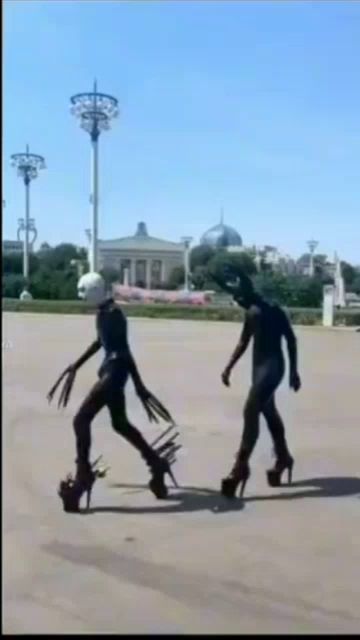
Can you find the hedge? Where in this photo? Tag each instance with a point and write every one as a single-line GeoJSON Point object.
{"type": "Point", "coordinates": [346, 317]}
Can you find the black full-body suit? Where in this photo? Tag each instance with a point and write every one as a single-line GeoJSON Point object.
{"type": "Point", "coordinates": [267, 324]}
{"type": "Point", "coordinates": [108, 391]}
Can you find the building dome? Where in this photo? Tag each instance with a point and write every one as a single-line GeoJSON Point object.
{"type": "Point", "coordinates": [221, 236]}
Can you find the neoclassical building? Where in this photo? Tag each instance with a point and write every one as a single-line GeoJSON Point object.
{"type": "Point", "coordinates": [149, 261]}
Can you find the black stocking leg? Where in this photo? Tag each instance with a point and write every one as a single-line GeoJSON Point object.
{"type": "Point", "coordinates": [276, 429]}
{"type": "Point", "coordinates": [122, 426]}
{"type": "Point", "coordinates": [92, 404]}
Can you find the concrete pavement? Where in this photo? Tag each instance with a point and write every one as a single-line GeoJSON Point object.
{"type": "Point", "coordinates": [283, 561]}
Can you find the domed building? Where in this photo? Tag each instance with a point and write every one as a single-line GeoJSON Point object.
{"type": "Point", "coordinates": [222, 235]}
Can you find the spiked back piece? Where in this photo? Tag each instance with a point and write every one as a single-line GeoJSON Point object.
{"type": "Point", "coordinates": [166, 448]}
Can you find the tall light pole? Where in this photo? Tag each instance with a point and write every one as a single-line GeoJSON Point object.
{"type": "Point", "coordinates": [187, 242]}
{"type": "Point", "coordinates": [88, 237]}
{"type": "Point", "coordinates": [27, 165]}
{"type": "Point", "coordinates": [95, 111]}
{"type": "Point", "coordinates": [312, 244]}
{"type": "Point", "coordinates": [31, 228]}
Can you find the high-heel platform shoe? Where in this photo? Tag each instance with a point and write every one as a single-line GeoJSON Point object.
{"type": "Point", "coordinates": [157, 483]}
{"type": "Point", "coordinates": [238, 476]}
{"type": "Point", "coordinates": [72, 489]}
{"type": "Point", "coordinates": [281, 465]}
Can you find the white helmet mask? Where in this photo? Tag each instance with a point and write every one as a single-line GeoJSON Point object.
{"type": "Point", "coordinates": [91, 287]}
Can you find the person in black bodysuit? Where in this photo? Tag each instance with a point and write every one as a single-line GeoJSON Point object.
{"type": "Point", "coordinates": [266, 323]}
{"type": "Point", "coordinates": [117, 366]}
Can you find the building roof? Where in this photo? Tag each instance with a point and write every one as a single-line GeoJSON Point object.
{"type": "Point", "coordinates": [221, 236]}
{"type": "Point", "coordinates": [141, 241]}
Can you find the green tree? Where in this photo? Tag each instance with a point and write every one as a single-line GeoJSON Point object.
{"type": "Point", "coordinates": [348, 272]}
{"type": "Point", "coordinates": [54, 285]}
{"type": "Point", "coordinates": [223, 260]}
{"type": "Point", "coordinates": [12, 285]}
{"type": "Point", "coordinates": [200, 277]}
{"type": "Point", "coordinates": [290, 291]}
{"type": "Point", "coordinates": [176, 278]}
{"type": "Point", "coordinates": [59, 257]}
{"type": "Point", "coordinates": [13, 263]}
{"type": "Point", "coordinates": [200, 256]}
{"type": "Point", "coordinates": [355, 285]}
{"type": "Point", "coordinates": [110, 275]}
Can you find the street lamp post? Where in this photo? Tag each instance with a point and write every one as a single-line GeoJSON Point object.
{"type": "Point", "coordinates": [312, 244]}
{"type": "Point", "coordinates": [88, 237]}
{"type": "Point", "coordinates": [187, 242]}
{"type": "Point", "coordinates": [95, 111]}
{"type": "Point", "coordinates": [27, 165]}
{"type": "Point", "coordinates": [31, 228]}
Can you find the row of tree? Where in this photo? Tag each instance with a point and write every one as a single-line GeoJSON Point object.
{"type": "Point", "coordinates": [54, 275]}
{"type": "Point", "coordinates": [290, 290]}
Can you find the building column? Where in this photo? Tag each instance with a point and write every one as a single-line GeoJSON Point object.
{"type": "Point", "coordinates": [132, 272]}
{"type": "Point", "coordinates": [148, 274]}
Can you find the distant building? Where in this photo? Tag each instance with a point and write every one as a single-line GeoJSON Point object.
{"type": "Point", "coordinates": [12, 246]}
{"type": "Point", "coordinates": [149, 261]}
{"type": "Point", "coordinates": [222, 236]}
{"type": "Point", "coordinates": [352, 300]}
{"type": "Point", "coordinates": [268, 255]}
{"type": "Point", "coordinates": [321, 264]}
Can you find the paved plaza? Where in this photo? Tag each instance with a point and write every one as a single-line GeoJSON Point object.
{"type": "Point", "coordinates": [283, 560]}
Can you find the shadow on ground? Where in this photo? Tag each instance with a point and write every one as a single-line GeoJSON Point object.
{"type": "Point", "coordinates": [186, 499]}
{"type": "Point", "coordinates": [191, 499]}
{"type": "Point", "coordinates": [326, 487]}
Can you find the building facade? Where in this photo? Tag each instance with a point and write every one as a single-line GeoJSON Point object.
{"type": "Point", "coordinates": [147, 261]}
{"type": "Point", "coordinates": [13, 246]}
{"type": "Point", "coordinates": [269, 255]}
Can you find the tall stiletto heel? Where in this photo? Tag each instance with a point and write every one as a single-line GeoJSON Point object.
{"type": "Point", "coordinates": [290, 470]}
{"type": "Point", "coordinates": [88, 498]}
{"type": "Point", "coordinates": [238, 476]}
{"type": "Point", "coordinates": [242, 487]}
{"type": "Point", "coordinates": [173, 479]}
{"type": "Point", "coordinates": [281, 465]}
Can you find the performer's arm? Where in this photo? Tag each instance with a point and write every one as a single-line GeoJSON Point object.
{"type": "Point", "coordinates": [242, 345]}
{"type": "Point", "coordinates": [134, 372]}
{"type": "Point", "coordinates": [291, 342]}
{"type": "Point", "coordinates": [94, 347]}
{"type": "Point", "coordinates": [153, 407]}
{"type": "Point", "coordinates": [151, 404]}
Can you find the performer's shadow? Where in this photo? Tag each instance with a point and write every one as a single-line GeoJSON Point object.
{"type": "Point", "coordinates": [182, 500]}
{"type": "Point", "coordinates": [191, 499]}
{"type": "Point", "coordinates": [326, 487]}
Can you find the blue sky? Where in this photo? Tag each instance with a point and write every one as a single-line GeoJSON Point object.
{"type": "Point", "coordinates": [253, 106]}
